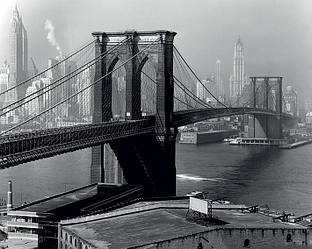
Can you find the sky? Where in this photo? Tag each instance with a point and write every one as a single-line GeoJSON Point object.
{"type": "Point", "coordinates": [277, 34]}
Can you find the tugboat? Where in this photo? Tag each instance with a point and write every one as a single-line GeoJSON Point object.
{"type": "Point", "coordinates": [198, 194]}
{"type": "Point", "coordinates": [236, 141]}
{"type": "Point", "coordinates": [230, 139]}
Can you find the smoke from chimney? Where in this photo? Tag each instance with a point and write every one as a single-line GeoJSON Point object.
{"type": "Point", "coordinates": [48, 25]}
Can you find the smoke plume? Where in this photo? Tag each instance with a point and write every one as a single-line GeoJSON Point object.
{"type": "Point", "coordinates": [48, 25]}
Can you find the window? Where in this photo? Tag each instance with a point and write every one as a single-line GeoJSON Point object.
{"type": "Point", "coordinates": [288, 238]}
{"type": "Point", "coordinates": [70, 239]}
{"type": "Point", "coordinates": [65, 236]}
{"type": "Point", "coordinates": [246, 243]}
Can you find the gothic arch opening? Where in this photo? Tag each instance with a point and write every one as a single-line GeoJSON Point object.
{"type": "Point", "coordinates": [148, 87]}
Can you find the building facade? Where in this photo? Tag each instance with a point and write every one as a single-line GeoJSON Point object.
{"type": "Point", "coordinates": [219, 82]}
{"type": "Point", "coordinates": [291, 101]}
{"type": "Point", "coordinates": [171, 224]}
{"type": "Point", "coordinates": [4, 82]}
{"type": "Point", "coordinates": [238, 78]}
{"type": "Point", "coordinates": [68, 111]}
{"type": "Point", "coordinates": [18, 55]}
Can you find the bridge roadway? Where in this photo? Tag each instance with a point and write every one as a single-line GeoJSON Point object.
{"type": "Point", "coordinates": [18, 148]}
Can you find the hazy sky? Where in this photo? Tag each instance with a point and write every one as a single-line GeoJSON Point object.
{"type": "Point", "coordinates": [277, 34]}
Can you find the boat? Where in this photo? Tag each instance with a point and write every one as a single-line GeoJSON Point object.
{"type": "Point", "coordinates": [201, 137]}
{"type": "Point", "coordinates": [195, 194]}
{"type": "Point", "coordinates": [236, 141]}
{"type": "Point", "coordinates": [230, 139]}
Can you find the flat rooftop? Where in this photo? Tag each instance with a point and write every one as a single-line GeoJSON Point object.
{"type": "Point", "coordinates": [147, 222]}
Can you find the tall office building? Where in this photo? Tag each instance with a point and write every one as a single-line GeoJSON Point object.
{"type": "Point", "coordinates": [18, 55]}
{"type": "Point", "coordinates": [238, 79]}
{"type": "Point", "coordinates": [84, 98]}
{"type": "Point", "coordinates": [70, 109]}
{"type": "Point", "coordinates": [4, 82]}
{"type": "Point", "coordinates": [291, 101]}
{"type": "Point", "coordinates": [207, 84]}
{"type": "Point", "coordinates": [219, 83]}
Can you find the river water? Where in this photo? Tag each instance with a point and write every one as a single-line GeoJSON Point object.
{"type": "Point", "coordinates": [281, 179]}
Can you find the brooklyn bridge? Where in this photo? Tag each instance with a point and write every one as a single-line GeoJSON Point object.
{"type": "Point", "coordinates": [159, 98]}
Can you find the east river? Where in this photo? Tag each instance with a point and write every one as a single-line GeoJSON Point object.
{"type": "Point", "coordinates": [281, 179]}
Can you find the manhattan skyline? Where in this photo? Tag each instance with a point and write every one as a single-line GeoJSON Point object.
{"type": "Point", "coordinates": [277, 34]}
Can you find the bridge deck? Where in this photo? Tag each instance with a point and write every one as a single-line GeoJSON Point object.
{"type": "Point", "coordinates": [17, 148]}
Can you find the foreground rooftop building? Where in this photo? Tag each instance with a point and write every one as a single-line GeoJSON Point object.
{"type": "Point", "coordinates": [35, 225]}
{"type": "Point", "coordinates": [168, 224]}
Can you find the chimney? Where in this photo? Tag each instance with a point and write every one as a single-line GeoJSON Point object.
{"type": "Point", "coordinates": [10, 197]}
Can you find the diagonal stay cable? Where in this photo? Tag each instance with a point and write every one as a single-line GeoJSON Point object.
{"type": "Point", "coordinates": [59, 81]}
{"type": "Point", "coordinates": [83, 89]}
{"type": "Point", "coordinates": [47, 69]}
{"type": "Point", "coordinates": [175, 49]}
{"type": "Point", "coordinates": [179, 87]}
{"type": "Point", "coordinates": [198, 100]}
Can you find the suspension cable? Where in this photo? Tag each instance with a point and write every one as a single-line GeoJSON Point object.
{"type": "Point", "coordinates": [83, 89]}
{"type": "Point", "coordinates": [198, 100]}
{"type": "Point", "coordinates": [47, 69]}
{"type": "Point", "coordinates": [59, 81]}
{"type": "Point", "coordinates": [175, 49]}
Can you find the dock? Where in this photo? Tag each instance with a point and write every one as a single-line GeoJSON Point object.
{"type": "Point", "coordinates": [295, 145]}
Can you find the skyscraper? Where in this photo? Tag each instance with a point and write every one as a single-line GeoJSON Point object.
{"type": "Point", "coordinates": [4, 81]}
{"type": "Point", "coordinates": [70, 109]}
{"type": "Point", "coordinates": [219, 83]}
{"type": "Point", "coordinates": [18, 54]}
{"type": "Point", "coordinates": [238, 78]}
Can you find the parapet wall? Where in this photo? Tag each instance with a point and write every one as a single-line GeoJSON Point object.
{"type": "Point", "coordinates": [229, 238]}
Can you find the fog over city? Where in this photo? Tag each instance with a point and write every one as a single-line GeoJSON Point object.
{"type": "Point", "coordinates": [277, 34]}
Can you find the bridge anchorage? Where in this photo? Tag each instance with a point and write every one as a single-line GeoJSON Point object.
{"type": "Point", "coordinates": [123, 93]}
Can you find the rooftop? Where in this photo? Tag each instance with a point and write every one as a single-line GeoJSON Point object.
{"type": "Point", "coordinates": [151, 221]}
{"type": "Point", "coordinates": [51, 203]}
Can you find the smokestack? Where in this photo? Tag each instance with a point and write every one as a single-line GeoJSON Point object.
{"type": "Point", "coordinates": [10, 196]}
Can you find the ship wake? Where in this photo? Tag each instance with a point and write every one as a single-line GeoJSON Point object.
{"type": "Point", "coordinates": [197, 178]}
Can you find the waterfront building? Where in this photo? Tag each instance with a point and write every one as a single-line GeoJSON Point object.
{"type": "Point", "coordinates": [308, 105]}
{"type": "Point", "coordinates": [175, 223]}
{"type": "Point", "coordinates": [308, 120]}
{"type": "Point", "coordinates": [291, 101]}
{"type": "Point", "coordinates": [238, 78]}
{"type": "Point", "coordinates": [18, 55]}
{"type": "Point", "coordinates": [37, 222]}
